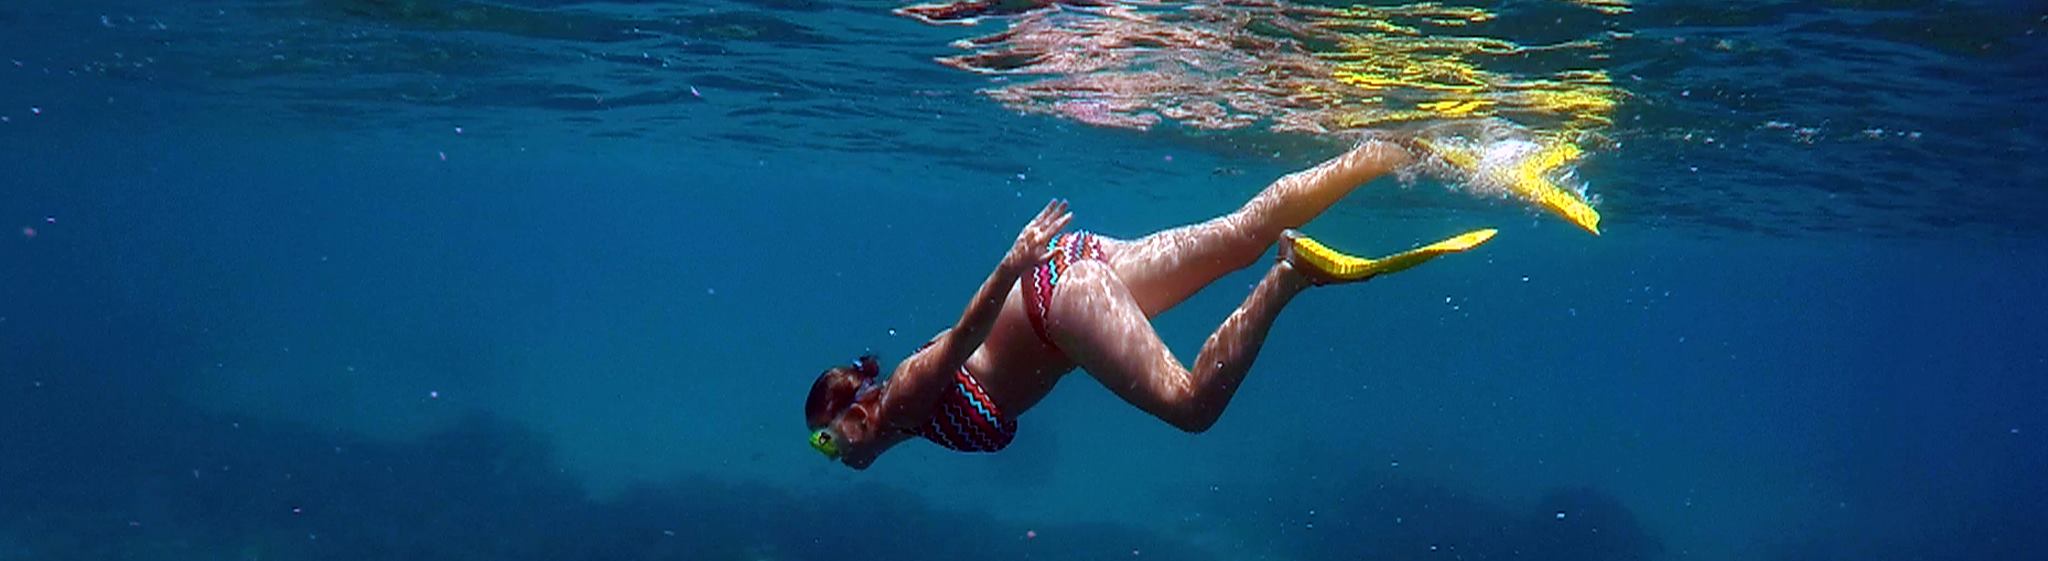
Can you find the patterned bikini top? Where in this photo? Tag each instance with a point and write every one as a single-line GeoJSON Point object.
{"type": "Point", "coordinates": [965, 419]}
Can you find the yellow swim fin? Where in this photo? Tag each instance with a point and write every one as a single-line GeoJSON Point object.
{"type": "Point", "coordinates": [1344, 267]}
{"type": "Point", "coordinates": [1529, 178]}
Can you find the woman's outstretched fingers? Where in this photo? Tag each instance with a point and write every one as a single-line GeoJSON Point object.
{"type": "Point", "coordinates": [1033, 244]}
{"type": "Point", "coordinates": [1053, 218]}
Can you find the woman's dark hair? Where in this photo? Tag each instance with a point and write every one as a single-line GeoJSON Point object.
{"type": "Point", "coordinates": [836, 389]}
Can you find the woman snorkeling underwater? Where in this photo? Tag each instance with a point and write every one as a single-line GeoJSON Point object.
{"type": "Point", "coordinates": [1058, 301]}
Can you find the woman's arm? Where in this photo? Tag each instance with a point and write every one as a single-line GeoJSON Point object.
{"type": "Point", "coordinates": [917, 382]}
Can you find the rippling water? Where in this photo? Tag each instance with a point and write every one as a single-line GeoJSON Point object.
{"type": "Point", "coordinates": [1786, 118]}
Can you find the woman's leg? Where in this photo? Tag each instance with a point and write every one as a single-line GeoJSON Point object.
{"type": "Point", "coordinates": [1167, 267]}
{"type": "Point", "coordinates": [1099, 323]}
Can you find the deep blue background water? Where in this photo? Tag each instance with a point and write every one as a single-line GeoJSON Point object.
{"type": "Point", "coordinates": [286, 310]}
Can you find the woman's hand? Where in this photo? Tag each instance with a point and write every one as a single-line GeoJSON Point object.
{"type": "Point", "coordinates": [1034, 243]}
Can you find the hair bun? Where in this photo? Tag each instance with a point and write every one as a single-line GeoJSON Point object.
{"type": "Point", "coordinates": [868, 366]}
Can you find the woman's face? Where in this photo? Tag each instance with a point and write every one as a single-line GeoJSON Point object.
{"type": "Point", "coordinates": [855, 434]}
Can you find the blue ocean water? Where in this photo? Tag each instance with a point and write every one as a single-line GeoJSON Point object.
{"type": "Point", "coordinates": [378, 279]}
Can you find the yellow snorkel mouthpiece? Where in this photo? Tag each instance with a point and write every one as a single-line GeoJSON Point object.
{"type": "Point", "coordinates": [824, 444]}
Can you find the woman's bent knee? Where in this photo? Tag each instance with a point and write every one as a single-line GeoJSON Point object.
{"type": "Point", "coordinates": [1194, 424]}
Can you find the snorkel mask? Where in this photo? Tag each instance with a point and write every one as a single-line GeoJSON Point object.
{"type": "Point", "coordinates": [826, 440]}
